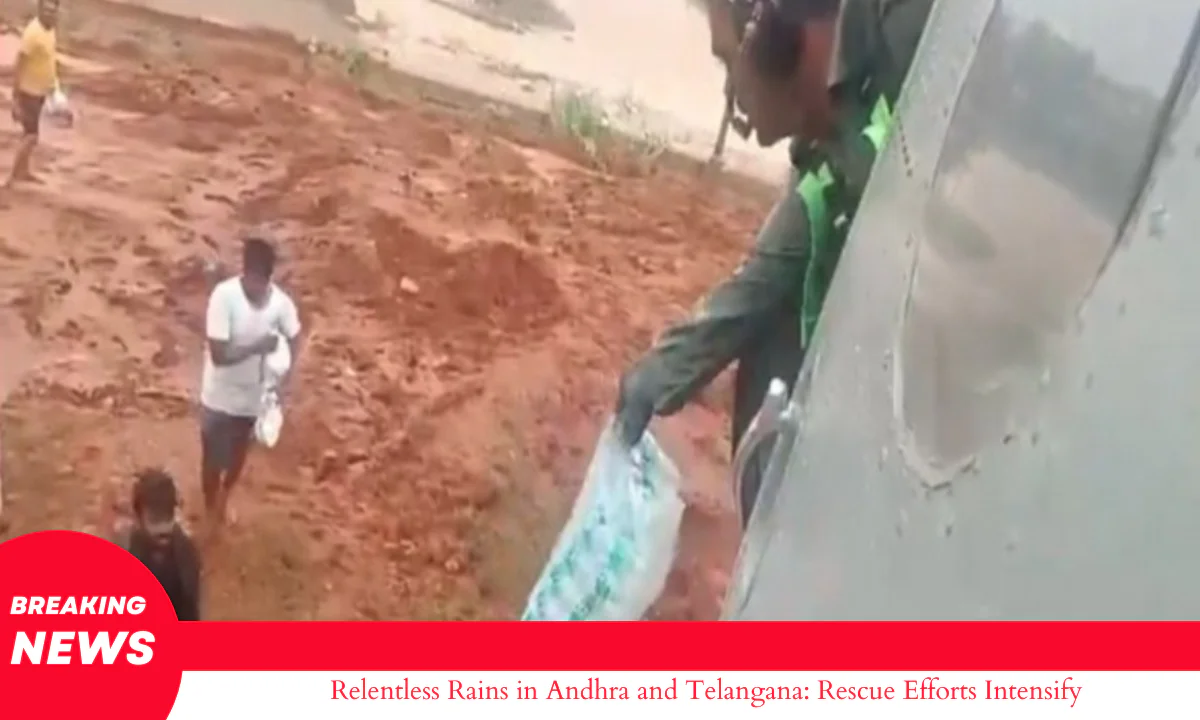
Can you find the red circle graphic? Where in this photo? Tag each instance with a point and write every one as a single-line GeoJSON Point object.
{"type": "Point", "coordinates": [102, 639]}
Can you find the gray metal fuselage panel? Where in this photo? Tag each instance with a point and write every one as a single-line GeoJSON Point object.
{"type": "Point", "coordinates": [998, 403]}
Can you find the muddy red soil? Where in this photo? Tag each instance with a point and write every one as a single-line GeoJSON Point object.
{"type": "Point", "coordinates": [471, 301]}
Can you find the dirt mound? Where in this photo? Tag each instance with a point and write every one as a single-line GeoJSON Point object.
{"type": "Point", "coordinates": [482, 295]}
{"type": "Point", "coordinates": [470, 303]}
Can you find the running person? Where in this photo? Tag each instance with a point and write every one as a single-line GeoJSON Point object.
{"type": "Point", "coordinates": [246, 316]}
{"type": "Point", "coordinates": [35, 77]}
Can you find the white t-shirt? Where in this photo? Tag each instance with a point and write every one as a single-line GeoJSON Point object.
{"type": "Point", "coordinates": [237, 389]}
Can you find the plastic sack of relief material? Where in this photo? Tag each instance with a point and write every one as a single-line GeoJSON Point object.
{"type": "Point", "coordinates": [269, 423]}
{"type": "Point", "coordinates": [57, 109]}
{"type": "Point", "coordinates": [612, 558]}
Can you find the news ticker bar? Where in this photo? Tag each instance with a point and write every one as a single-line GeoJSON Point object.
{"type": "Point", "coordinates": [830, 646]}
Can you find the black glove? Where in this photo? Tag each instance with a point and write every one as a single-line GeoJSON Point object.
{"type": "Point", "coordinates": [633, 413]}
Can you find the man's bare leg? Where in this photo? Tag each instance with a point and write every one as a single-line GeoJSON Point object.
{"type": "Point", "coordinates": [211, 439]}
{"type": "Point", "coordinates": [20, 168]}
{"type": "Point", "coordinates": [210, 484]}
{"type": "Point", "coordinates": [237, 463]}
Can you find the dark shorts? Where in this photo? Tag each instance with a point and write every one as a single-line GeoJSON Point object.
{"type": "Point", "coordinates": [30, 107]}
{"type": "Point", "coordinates": [221, 435]}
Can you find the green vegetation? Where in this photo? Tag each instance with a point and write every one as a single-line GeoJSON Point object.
{"type": "Point", "coordinates": [606, 131]}
{"type": "Point", "coordinates": [581, 116]}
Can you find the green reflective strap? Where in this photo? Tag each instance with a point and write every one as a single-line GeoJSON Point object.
{"type": "Point", "coordinates": [812, 189]}
{"type": "Point", "coordinates": [880, 123]}
{"type": "Point", "coordinates": [826, 240]}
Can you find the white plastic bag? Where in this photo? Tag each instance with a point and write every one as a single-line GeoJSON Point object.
{"type": "Point", "coordinates": [57, 109]}
{"type": "Point", "coordinates": [612, 559]}
{"type": "Point", "coordinates": [277, 363]}
{"type": "Point", "coordinates": [269, 423]}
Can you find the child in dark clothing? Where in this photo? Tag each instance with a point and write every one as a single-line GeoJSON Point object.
{"type": "Point", "coordinates": [157, 540]}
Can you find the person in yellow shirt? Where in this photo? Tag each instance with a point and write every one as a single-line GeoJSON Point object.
{"type": "Point", "coordinates": [35, 77]}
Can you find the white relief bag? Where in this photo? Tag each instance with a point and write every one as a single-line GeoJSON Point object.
{"type": "Point", "coordinates": [612, 559]}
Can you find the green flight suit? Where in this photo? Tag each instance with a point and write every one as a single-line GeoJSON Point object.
{"type": "Point", "coordinates": [757, 316]}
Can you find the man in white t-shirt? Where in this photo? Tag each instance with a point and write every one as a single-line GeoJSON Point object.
{"type": "Point", "coordinates": [247, 315]}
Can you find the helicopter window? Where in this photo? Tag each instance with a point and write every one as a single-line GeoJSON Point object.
{"type": "Point", "coordinates": [1028, 198]}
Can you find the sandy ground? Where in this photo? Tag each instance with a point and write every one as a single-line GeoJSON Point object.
{"type": "Point", "coordinates": [470, 299]}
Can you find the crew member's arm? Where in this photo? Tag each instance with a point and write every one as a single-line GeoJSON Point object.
{"type": "Point", "coordinates": [220, 345]}
{"type": "Point", "coordinates": [688, 356]}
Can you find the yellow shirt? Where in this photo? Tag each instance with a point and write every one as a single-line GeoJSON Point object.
{"type": "Point", "coordinates": [39, 68]}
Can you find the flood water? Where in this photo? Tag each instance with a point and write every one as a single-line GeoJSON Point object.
{"type": "Point", "coordinates": [649, 55]}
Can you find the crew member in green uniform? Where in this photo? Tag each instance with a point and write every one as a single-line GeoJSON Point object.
{"type": "Point", "coordinates": [826, 74]}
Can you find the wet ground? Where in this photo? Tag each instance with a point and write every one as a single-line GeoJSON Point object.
{"type": "Point", "coordinates": [471, 297]}
{"type": "Point", "coordinates": [646, 61]}
{"type": "Point", "coordinates": [518, 16]}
